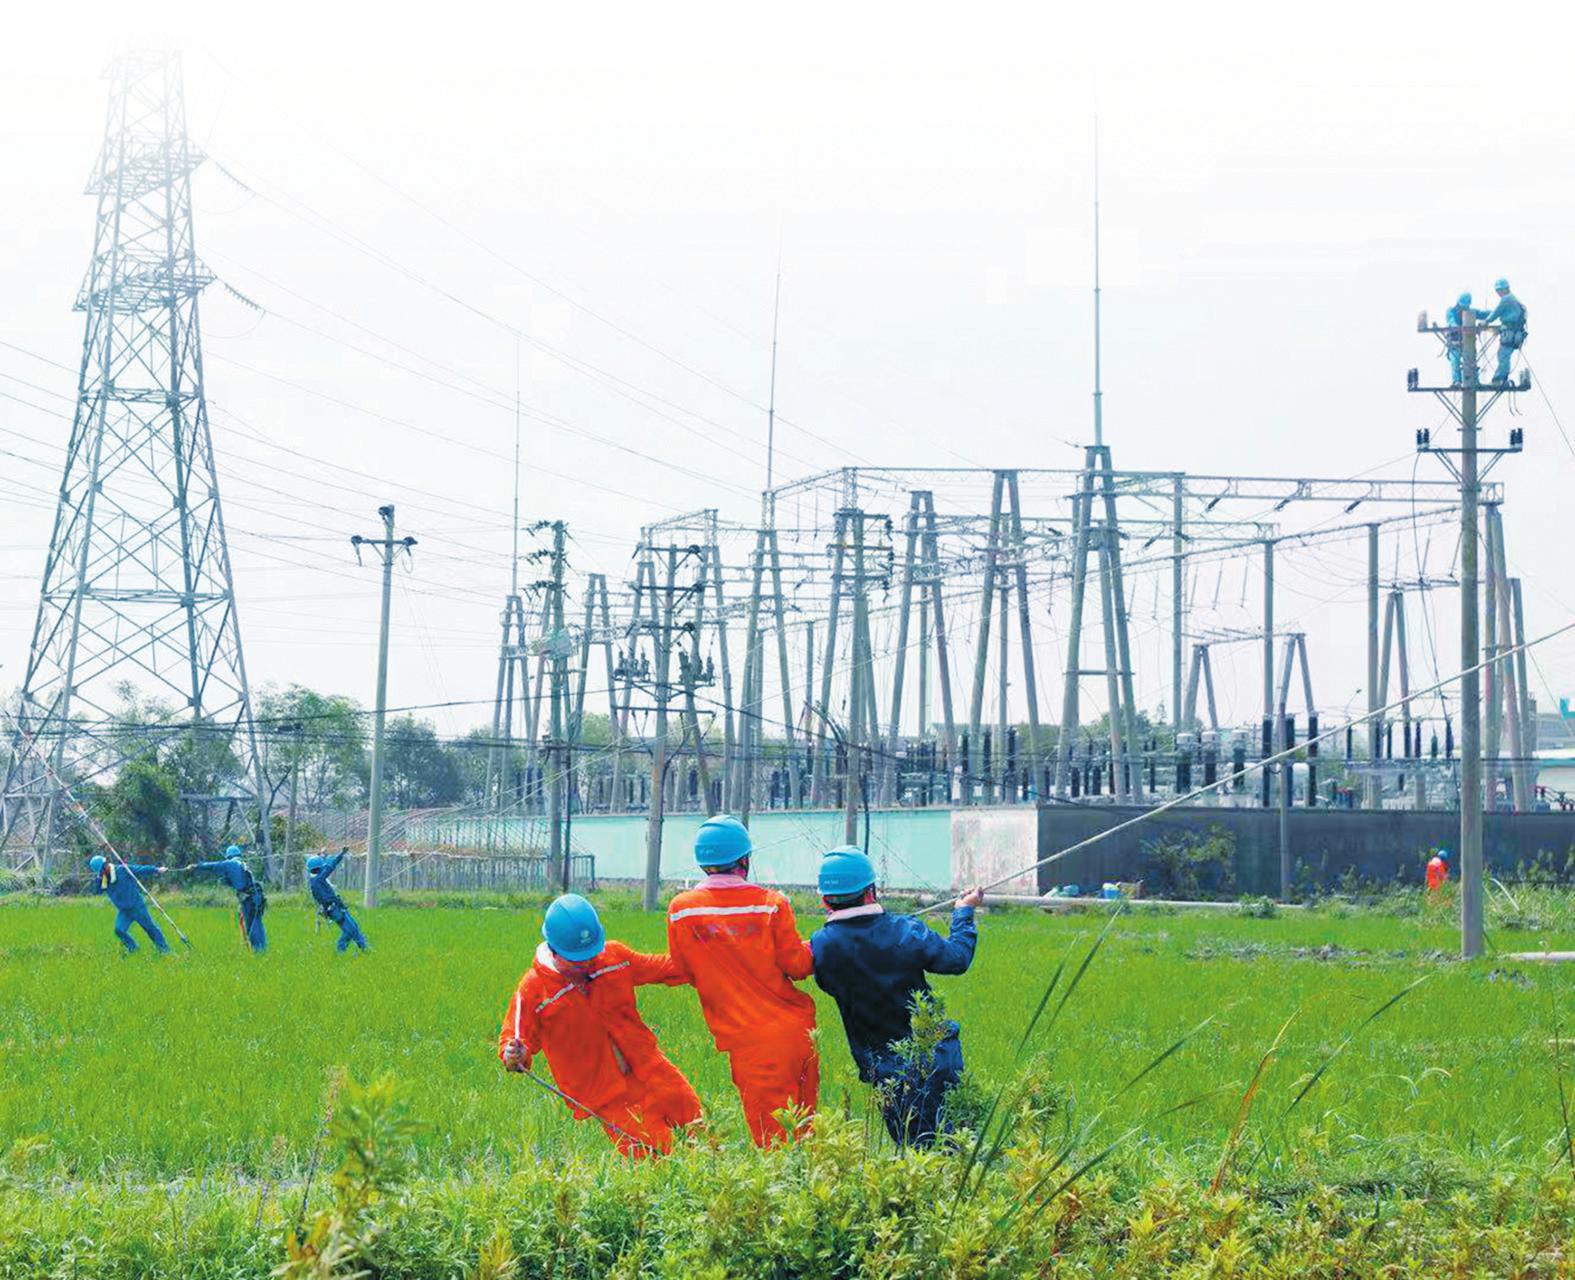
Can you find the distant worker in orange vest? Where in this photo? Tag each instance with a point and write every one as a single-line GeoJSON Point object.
{"type": "Point", "coordinates": [739, 945]}
{"type": "Point", "coordinates": [576, 1004]}
{"type": "Point", "coordinates": [1438, 871]}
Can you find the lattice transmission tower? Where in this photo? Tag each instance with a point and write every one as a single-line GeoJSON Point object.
{"type": "Point", "coordinates": [137, 584]}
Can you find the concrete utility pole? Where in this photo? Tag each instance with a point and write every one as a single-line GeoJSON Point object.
{"type": "Point", "coordinates": [1268, 665]}
{"type": "Point", "coordinates": [1470, 653]}
{"type": "Point", "coordinates": [660, 684]}
{"type": "Point", "coordinates": [853, 746]}
{"type": "Point", "coordinates": [387, 547]}
{"type": "Point", "coordinates": [558, 852]}
{"type": "Point", "coordinates": [295, 779]}
{"type": "Point", "coordinates": [1468, 414]}
{"type": "Point", "coordinates": [1372, 788]}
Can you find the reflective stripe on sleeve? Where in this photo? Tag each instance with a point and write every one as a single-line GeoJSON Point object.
{"type": "Point", "coordinates": [612, 968]}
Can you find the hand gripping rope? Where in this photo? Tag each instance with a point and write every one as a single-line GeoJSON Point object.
{"type": "Point", "coordinates": [97, 833]}
{"type": "Point", "coordinates": [1507, 652]}
{"type": "Point", "coordinates": [552, 1088]}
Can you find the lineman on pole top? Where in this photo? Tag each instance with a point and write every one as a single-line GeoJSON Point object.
{"type": "Point", "coordinates": [1510, 316]}
{"type": "Point", "coordinates": [1461, 313]}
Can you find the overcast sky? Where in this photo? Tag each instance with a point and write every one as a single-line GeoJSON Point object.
{"type": "Point", "coordinates": [1282, 195]}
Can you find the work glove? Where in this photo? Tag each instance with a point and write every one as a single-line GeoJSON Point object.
{"type": "Point", "coordinates": [514, 1057]}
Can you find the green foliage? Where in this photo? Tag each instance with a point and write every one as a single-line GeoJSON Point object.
{"type": "Point", "coordinates": [307, 837]}
{"type": "Point", "coordinates": [419, 772]}
{"type": "Point", "coordinates": [1185, 866]}
{"type": "Point", "coordinates": [323, 736]}
{"type": "Point", "coordinates": [157, 758]}
{"type": "Point", "coordinates": [373, 1126]}
{"type": "Point", "coordinates": [140, 811]}
{"type": "Point", "coordinates": [820, 1208]}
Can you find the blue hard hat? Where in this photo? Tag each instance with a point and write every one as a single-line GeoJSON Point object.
{"type": "Point", "coordinates": [1444, 854]}
{"type": "Point", "coordinates": [1501, 283]}
{"type": "Point", "coordinates": [722, 841]}
{"type": "Point", "coordinates": [845, 871]}
{"type": "Point", "coordinates": [572, 928]}
{"type": "Point", "coordinates": [1464, 300]}
{"type": "Point", "coordinates": [315, 863]}
{"type": "Point", "coordinates": [234, 851]}
{"type": "Point", "coordinates": [97, 863]}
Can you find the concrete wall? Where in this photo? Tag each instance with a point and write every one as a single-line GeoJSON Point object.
{"type": "Point", "coordinates": [1325, 843]}
{"type": "Point", "coordinates": [911, 848]}
{"type": "Point", "coordinates": [990, 843]}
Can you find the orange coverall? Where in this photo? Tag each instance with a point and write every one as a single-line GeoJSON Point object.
{"type": "Point", "coordinates": [738, 944]}
{"type": "Point", "coordinates": [1437, 873]}
{"type": "Point", "coordinates": [600, 1050]}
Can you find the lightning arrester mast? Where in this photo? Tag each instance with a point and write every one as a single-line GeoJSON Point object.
{"type": "Point", "coordinates": [1099, 394]}
{"type": "Point", "coordinates": [771, 402]}
{"type": "Point", "coordinates": [514, 562]}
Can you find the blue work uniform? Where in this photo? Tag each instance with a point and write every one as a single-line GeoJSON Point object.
{"type": "Point", "coordinates": [248, 896]}
{"type": "Point", "coordinates": [873, 965]}
{"type": "Point", "coordinates": [1455, 317]}
{"type": "Point", "coordinates": [332, 905]}
{"type": "Point", "coordinates": [1510, 316]}
{"type": "Point", "coordinates": [131, 906]}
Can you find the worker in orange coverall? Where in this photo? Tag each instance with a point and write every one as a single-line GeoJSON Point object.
{"type": "Point", "coordinates": [738, 944]}
{"type": "Point", "coordinates": [1438, 871]}
{"type": "Point", "coordinates": [576, 1004]}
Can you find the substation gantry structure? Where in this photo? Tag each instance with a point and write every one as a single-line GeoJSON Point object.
{"type": "Point", "coordinates": [889, 630]}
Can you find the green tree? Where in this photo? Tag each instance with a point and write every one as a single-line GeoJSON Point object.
{"type": "Point", "coordinates": [323, 735]}
{"type": "Point", "coordinates": [419, 771]}
{"type": "Point", "coordinates": [141, 810]}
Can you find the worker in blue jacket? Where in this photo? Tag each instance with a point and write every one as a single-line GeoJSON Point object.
{"type": "Point", "coordinates": [319, 873]}
{"type": "Point", "coordinates": [248, 894]}
{"type": "Point", "coordinates": [125, 894]}
{"type": "Point", "coordinates": [873, 964]}
{"type": "Point", "coordinates": [1510, 316]}
{"type": "Point", "coordinates": [1462, 313]}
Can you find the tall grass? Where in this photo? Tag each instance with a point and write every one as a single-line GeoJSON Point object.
{"type": "Point", "coordinates": [213, 1064]}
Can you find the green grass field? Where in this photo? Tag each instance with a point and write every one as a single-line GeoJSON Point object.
{"type": "Point", "coordinates": [216, 1061]}
{"type": "Point", "coordinates": [162, 1112]}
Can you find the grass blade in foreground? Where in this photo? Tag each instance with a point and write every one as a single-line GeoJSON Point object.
{"type": "Point", "coordinates": [1246, 1105]}
{"type": "Point", "coordinates": [1349, 1036]}
{"type": "Point", "coordinates": [1558, 1074]}
{"type": "Point", "coordinates": [1006, 1120]}
{"type": "Point", "coordinates": [1099, 1158]}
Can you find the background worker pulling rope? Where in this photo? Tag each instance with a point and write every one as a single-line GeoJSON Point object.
{"type": "Point", "coordinates": [29, 743]}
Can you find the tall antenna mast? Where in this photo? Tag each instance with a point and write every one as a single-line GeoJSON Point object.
{"type": "Point", "coordinates": [1099, 393]}
{"type": "Point", "coordinates": [771, 404]}
{"type": "Point", "coordinates": [514, 571]}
